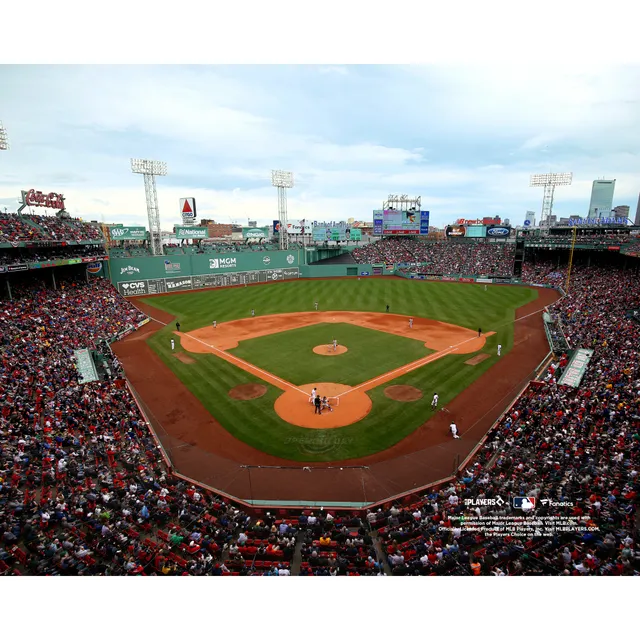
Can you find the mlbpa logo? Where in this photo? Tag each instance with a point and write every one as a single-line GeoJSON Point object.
{"type": "Point", "coordinates": [290, 259]}
{"type": "Point", "coordinates": [266, 260]}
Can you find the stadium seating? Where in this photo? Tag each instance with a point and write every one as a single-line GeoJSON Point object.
{"type": "Point", "coordinates": [85, 491]}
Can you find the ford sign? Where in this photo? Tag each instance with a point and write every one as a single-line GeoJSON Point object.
{"type": "Point", "coordinates": [498, 231]}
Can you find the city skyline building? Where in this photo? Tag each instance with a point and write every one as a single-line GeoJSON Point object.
{"type": "Point", "coordinates": [601, 198]}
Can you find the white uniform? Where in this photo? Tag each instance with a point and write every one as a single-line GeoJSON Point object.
{"type": "Point", "coordinates": [215, 324]}
{"type": "Point", "coordinates": [454, 430]}
{"type": "Point", "coordinates": [173, 345]}
{"type": "Point", "coordinates": [314, 393]}
{"type": "Point", "coordinates": [499, 349]}
{"type": "Point", "coordinates": [434, 402]}
{"type": "Point", "coordinates": [315, 304]}
{"type": "Point", "coordinates": [253, 313]}
{"type": "Point", "coordinates": [326, 405]}
{"type": "Point", "coordinates": [485, 287]}
{"type": "Point", "coordinates": [335, 345]}
{"type": "Point", "coordinates": [410, 323]}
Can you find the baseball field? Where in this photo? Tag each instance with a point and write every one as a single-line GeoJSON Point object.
{"type": "Point", "coordinates": [254, 374]}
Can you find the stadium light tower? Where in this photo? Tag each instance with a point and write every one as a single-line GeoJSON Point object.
{"type": "Point", "coordinates": [283, 180]}
{"type": "Point", "coordinates": [150, 169]}
{"type": "Point", "coordinates": [549, 181]}
{"type": "Point", "coordinates": [4, 138]}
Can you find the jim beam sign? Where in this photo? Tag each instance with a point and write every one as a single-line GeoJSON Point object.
{"type": "Point", "coordinates": [188, 211]}
{"type": "Point", "coordinates": [33, 198]}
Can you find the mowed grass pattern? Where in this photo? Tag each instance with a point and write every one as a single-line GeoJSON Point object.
{"type": "Point", "coordinates": [256, 423]}
{"type": "Point", "coordinates": [370, 354]}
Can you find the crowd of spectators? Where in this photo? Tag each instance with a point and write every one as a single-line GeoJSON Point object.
{"type": "Point", "coordinates": [39, 228]}
{"type": "Point", "coordinates": [441, 257]}
{"type": "Point", "coordinates": [84, 488]}
{"type": "Point", "coordinates": [22, 256]}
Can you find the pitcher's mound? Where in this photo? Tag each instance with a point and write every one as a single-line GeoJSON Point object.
{"type": "Point", "coordinates": [247, 391]}
{"type": "Point", "coordinates": [403, 393]}
{"type": "Point", "coordinates": [327, 350]}
{"type": "Point", "coordinates": [183, 357]}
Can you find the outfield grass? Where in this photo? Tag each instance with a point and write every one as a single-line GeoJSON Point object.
{"type": "Point", "coordinates": [256, 423]}
{"type": "Point", "coordinates": [370, 353]}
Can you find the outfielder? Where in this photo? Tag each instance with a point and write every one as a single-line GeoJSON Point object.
{"type": "Point", "coordinates": [454, 430]}
{"type": "Point", "coordinates": [315, 304]}
{"type": "Point", "coordinates": [173, 344]}
{"type": "Point", "coordinates": [485, 287]}
{"type": "Point", "coordinates": [499, 349]}
{"type": "Point", "coordinates": [335, 345]}
{"type": "Point", "coordinates": [410, 323]}
{"type": "Point", "coordinates": [434, 402]}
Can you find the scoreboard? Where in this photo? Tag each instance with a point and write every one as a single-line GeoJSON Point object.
{"type": "Point", "coordinates": [392, 222]}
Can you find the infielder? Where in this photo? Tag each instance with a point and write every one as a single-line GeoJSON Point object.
{"type": "Point", "coordinates": [215, 324]}
{"type": "Point", "coordinates": [410, 323]}
{"type": "Point", "coordinates": [454, 430]}
{"type": "Point", "coordinates": [314, 393]}
{"type": "Point", "coordinates": [173, 344]}
{"type": "Point", "coordinates": [335, 345]}
{"type": "Point", "coordinates": [434, 402]}
{"type": "Point", "coordinates": [253, 313]}
{"type": "Point", "coordinates": [315, 304]}
{"type": "Point", "coordinates": [499, 349]}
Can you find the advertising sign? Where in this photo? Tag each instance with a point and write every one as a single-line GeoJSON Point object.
{"type": "Point", "coordinates": [33, 198]}
{"type": "Point", "coordinates": [455, 231]}
{"type": "Point", "coordinates": [94, 267]}
{"type": "Point", "coordinates": [188, 210]}
{"type": "Point", "coordinates": [128, 233]}
{"type": "Point", "coordinates": [255, 232]}
{"type": "Point", "coordinates": [184, 233]}
{"type": "Point", "coordinates": [378, 222]}
{"type": "Point", "coordinates": [498, 232]}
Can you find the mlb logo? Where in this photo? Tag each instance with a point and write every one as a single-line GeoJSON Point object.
{"type": "Point", "coordinates": [523, 503]}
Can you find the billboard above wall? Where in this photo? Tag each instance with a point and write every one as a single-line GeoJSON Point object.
{"type": "Point", "coordinates": [128, 233]}
{"type": "Point", "coordinates": [197, 233]}
{"type": "Point", "coordinates": [393, 222]}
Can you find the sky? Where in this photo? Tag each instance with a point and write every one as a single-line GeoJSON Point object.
{"type": "Point", "coordinates": [464, 138]}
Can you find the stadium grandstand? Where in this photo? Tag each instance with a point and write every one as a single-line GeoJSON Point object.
{"type": "Point", "coordinates": [86, 490]}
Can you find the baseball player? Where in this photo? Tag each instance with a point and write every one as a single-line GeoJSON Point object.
{"type": "Point", "coordinates": [499, 349]}
{"type": "Point", "coordinates": [453, 427]}
{"type": "Point", "coordinates": [173, 344]}
{"type": "Point", "coordinates": [479, 332]}
{"type": "Point", "coordinates": [253, 313]}
{"type": "Point", "coordinates": [434, 402]}
{"type": "Point", "coordinates": [387, 308]}
{"type": "Point", "coordinates": [335, 345]}
{"type": "Point", "coordinates": [485, 287]}
{"type": "Point", "coordinates": [314, 393]}
{"type": "Point", "coordinates": [315, 304]}
{"type": "Point", "coordinates": [325, 404]}
{"type": "Point", "coordinates": [410, 323]}
{"type": "Point", "coordinates": [215, 324]}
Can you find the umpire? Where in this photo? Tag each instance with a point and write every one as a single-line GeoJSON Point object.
{"type": "Point", "coordinates": [318, 404]}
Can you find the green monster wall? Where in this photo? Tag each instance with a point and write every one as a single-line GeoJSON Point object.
{"type": "Point", "coordinates": [166, 274]}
